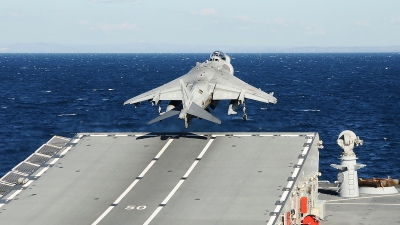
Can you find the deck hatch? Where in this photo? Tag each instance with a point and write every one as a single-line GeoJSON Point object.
{"type": "Point", "coordinates": [37, 159]}
{"type": "Point", "coordinates": [48, 150]}
{"type": "Point", "coordinates": [26, 168]}
{"type": "Point", "coordinates": [4, 188]}
{"type": "Point", "coordinates": [58, 141]}
{"type": "Point", "coordinates": [12, 177]}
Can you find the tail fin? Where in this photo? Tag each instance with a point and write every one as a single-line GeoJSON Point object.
{"type": "Point", "coordinates": [166, 115]}
{"type": "Point", "coordinates": [196, 110]}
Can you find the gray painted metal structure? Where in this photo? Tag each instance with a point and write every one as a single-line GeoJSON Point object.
{"type": "Point", "coordinates": [137, 178]}
{"type": "Point", "coordinates": [204, 85]}
{"type": "Point", "coordinates": [191, 178]}
{"type": "Point", "coordinates": [366, 209]}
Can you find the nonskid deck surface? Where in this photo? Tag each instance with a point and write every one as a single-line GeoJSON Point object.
{"type": "Point", "coordinates": [132, 178]}
{"type": "Point", "coordinates": [363, 210]}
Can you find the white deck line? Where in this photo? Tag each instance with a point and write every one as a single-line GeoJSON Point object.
{"type": "Point", "coordinates": [132, 185]}
{"type": "Point", "coordinates": [103, 215]}
{"type": "Point", "coordinates": [54, 161]}
{"type": "Point", "coordinates": [18, 172]}
{"type": "Point", "coordinates": [27, 183]}
{"type": "Point", "coordinates": [305, 151]}
{"type": "Point", "coordinates": [65, 151]}
{"type": "Point", "coordinates": [153, 215]}
{"type": "Point", "coordinates": [271, 220]}
{"type": "Point", "coordinates": [145, 135]}
{"type": "Point", "coordinates": [33, 164]}
{"type": "Point", "coordinates": [277, 208]}
{"type": "Point", "coordinates": [147, 168]}
{"type": "Point", "coordinates": [172, 192]}
{"type": "Point", "coordinates": [98, 135]}
{"type": "Point", "coordinates": [290, 184]}
{"type": "Point", "coordinates": [55, 136]}
{"type": "Point", "coordinates": [40, 154]}
{"type": "Point", "coordinates": [242, 135]}
{"type": "Point", "coordinates": [163, 149]}
{"type": "Point", "coordinates": [300, 162]}
{"type": "Point", "coordinates": [53, 146]}
{"type": "Point", "coordinates": [205, 149]}
{"type": "Point", "coordinates": [126, 191]}
{"type": "Point", "coordinates": [169, 196]}
{"type": "Point", "coordinates": [41, 172]}
{"type": "Point", "coordinates": [121, 135]}
{"type": "Point", "coordinates": [75, 140]}
{"type": "Point", "coordinates": [290, 135]}
{"type": "Point", "coordinates": [295, 172]}
{"type": "Point", "coordinates": [190, 169]}
{"type": "Point", "coordinates": [6, 183]}
{"type": "Point", "coordinates": [194, 135]}
{"type": "Point", "coordinates": [60, 137]}
{"type": "Point", "coordinates": [13, 195]}
{"type": "Point", "coordinates": [309, 140]}
{"type": "Point", "coordinates": [285, 194]}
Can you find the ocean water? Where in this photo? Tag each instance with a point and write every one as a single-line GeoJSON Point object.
{"type": "Point", "coordinates": [42, 95]}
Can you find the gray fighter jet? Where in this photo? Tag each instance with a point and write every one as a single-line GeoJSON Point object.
{"type": "Point", "coordinates": [203, 86]}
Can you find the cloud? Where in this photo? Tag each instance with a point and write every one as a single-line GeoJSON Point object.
{"type": "Point", "coordinates": [196, 29]}
{"type": "Point", "coordinates": [16, 13]}
{"type": "Point", "coordinates": [243, 18]}
{"type": "Point", "coordinates": [395, 21]}
{"type": "Point", "coordinates": [4, 49]}
{"type": "Point", "coordinates": [313, 29]}
{"type": "Point", "coordinates": [277, 22]}
{"type": "Point", "coordinates": [134, 2]}
{"type": "Point", "coordinates": [362, 23]}
{"type": "Point", "coordinates": [281, 22]}
{"type": "Point", "coordinates": [204, 12]}
{"type": "Point", "coordinates": [108, 27]}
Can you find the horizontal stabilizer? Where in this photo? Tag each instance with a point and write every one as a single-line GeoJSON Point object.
{"type": "Point", "coordinates": [196, 110]}
{"type": "Point", "coordinates": [166, 115]}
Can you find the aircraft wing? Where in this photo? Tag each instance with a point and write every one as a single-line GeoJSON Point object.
{"type": "Point", "coordinates": [230, 87]}
{"type": "Point", "coordinates": [168, 91]}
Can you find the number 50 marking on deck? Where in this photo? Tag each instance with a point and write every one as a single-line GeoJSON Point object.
{"type": "Point", "coordinates": [132, 207]}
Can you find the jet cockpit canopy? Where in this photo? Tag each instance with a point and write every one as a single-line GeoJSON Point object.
{"type": "Point", "coordinates": [218, 54]}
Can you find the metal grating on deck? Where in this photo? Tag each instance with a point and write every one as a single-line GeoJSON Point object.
{"type": "Point", "coordinates": [49, 150]}
{"type": "Point", "coordinates": [32, 163]}
{"type": "Point", "coordinates": [58, 141]}
{"type": "Point", "coordinates": [26, 168]}
{"type": "Point", "coordinates": [12, 177]}
{"type": "Point", "coordinates": [38, 159]}
{"type": "Point", "coordinates": [4, 188]}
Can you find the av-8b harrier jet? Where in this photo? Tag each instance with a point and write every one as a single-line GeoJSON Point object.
{"type": "Point", "coordinates": [203, 86]}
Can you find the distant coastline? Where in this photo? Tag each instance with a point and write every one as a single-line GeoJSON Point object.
{"type": "Point", "coordinates": [176, 48]}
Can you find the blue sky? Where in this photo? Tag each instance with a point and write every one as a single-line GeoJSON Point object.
{"type": "Point", "coordinates": [197, 26]}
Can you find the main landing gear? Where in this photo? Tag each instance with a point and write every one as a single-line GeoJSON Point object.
{"type": "Point", "coordinates": [244, 112]}
{"type": "Point", "coordinates": [234, 105]}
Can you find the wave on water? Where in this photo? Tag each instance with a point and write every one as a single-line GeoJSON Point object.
{"type": "Point", "coordinates": [306, 110]}
{"type": "Point", "coordinates": [68, 114]}
{"type": "Point", "coordinates": [324, 93]}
